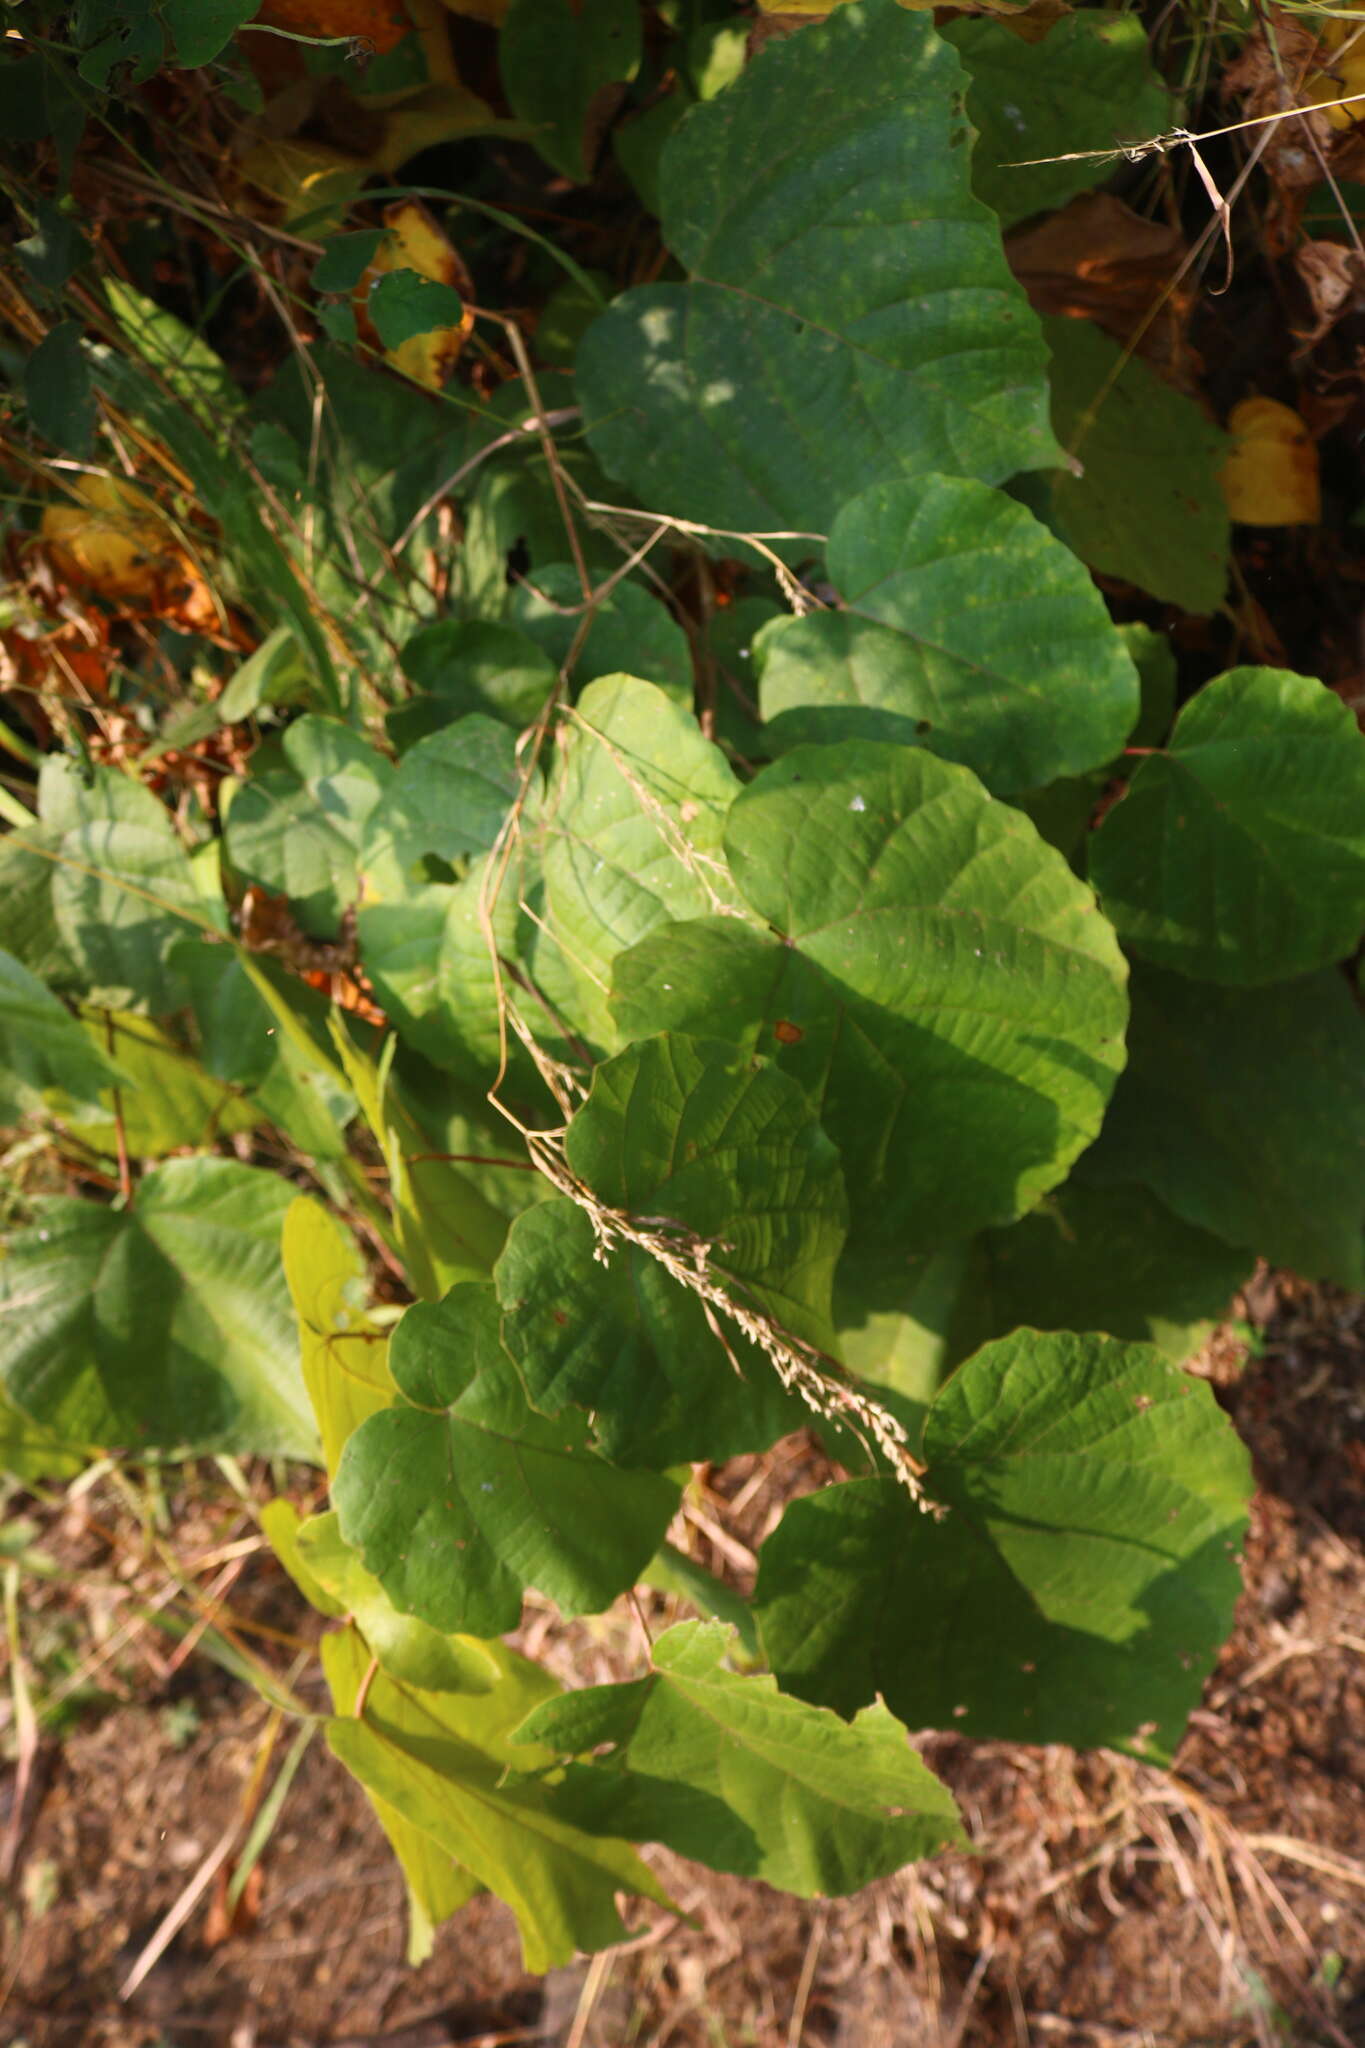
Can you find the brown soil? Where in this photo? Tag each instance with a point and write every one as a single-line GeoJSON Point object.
{"type": "Point", "coordinates": [1220, 1906]}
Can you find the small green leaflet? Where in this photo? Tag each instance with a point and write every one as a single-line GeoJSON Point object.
{"type": "Point", "coordinates": [297, 830]}
{"type": "Point", "coordinates": [565, 66]}
{"type": "Point", "coordinates": [729, 1770]}
{"type": "Point", "coordinates": [459, 1495]}
{"type": "Point", "coordinates": [1080, 1583]}
{"type": "Point", "coordinates": [1238, 853]}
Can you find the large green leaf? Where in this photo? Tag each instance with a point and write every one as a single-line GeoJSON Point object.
{"type": "Point", "coordinates": [711, 1149]}
{"type": "Point", "coordinates": [123, 892]}
{"type": "Point", "coordinates": [461, 666]}
{"type": "Point", "coordinates": [445, 1764]}
{"type": "Point", "coordinates": [1080, 1582]}
{"type": "Point", "coordinates": [730, 1771]}
{"type": "Point", "coordinates": [966, 626]}
{"type": "Point", "coordinates": [459, 1496]}
{"type": "Point", "coordinates": [448, 799]}
{"type": "Point", "coordinates": [159, 1325]}
{"type": "Point", "coordinates": [1238, 853]}
{"type": "Point", "coordinates": [632, 831]}
{"type": "Point", "coordinates": [1246, 1114]}
{"type": "Point", "coordinates": [167, 1100]}
{"type": "Point", "coordinates": [850, 316]}
{"type": "Point", "coordinates": [297, 830]}
{"type": "Point", "coordinates": [728, 1146]}
{"type": "Point", "coordinates": [940, 983]}
{"type": "Point", "coordinates": [627, 1342]}
{"type": "Point", "coordinates": [1088, 85]}
{"type": "Point", "coordinates": [1143, 500]}
{"type": "Point", "coordinates": [565, 68]}
{"type": "Point", "coordinates": [43, 1046]}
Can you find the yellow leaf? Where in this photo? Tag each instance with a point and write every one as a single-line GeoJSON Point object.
{"type": "Point", "coordinates": [116, 543]}
{"type": "Point", "coordinates": [1271, 475]}
{"type": "Point", "coordinates": [415, 242]}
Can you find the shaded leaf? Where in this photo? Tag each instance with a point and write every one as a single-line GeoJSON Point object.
{"type": "Point", "coordinates": [564, 67]}
{"type": "Point", "coordinates": [1238, 853]}
{"type": "Point", "coordinates": [1087, 85]}
{"type": "Point", "coordinates": [1146, 505]}
{"type": "Point", "coordinates": [163, 1325]}
{"type": "Point", "coordinates": [631, 632]}
{"type": "Point", "coordinates": [1080, 1583]}
{"type": "Point", "coordinates": [60, 395]}
{"type": "Point", "coordinates": [1246, 1115]}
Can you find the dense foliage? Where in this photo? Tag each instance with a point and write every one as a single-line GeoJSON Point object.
{"type": "Point", "coordinates": [652, 840]}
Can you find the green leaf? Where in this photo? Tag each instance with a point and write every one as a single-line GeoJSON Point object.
{"type": "Point", "coordinates": [202, 29]}
{"type": "Point", "coordinates": [57, 388]}
{"type": "Point", "coordinates": [1088, 85]}
{"type": "Point", "coordinates": [162, 1325]}
{"type": "Point", "coordinates": [55, 250]}
{"type": "Point", "coordinates": [1247, 1117]}
{"type": "Point", "coordinates": [727, 1146]}
{"type": "Point", "coordinates": [631, 632]}
{"type": "Point", "coordinates": [460, 1500]}
{"type": "Point", "coordinates": [342, 1355]}
{"type": "Point", "coordinates": [715, 1149]}
{"type": "Point", "coordinates": [345, 259]}
{"type": "Point", "coordinates": [627, 1342]}
{"type": "Point", "coordinates": [277, 673]}
{"type": "Point", "coordinates": [967, 627]}
{"type": "Point", "coordinates": [1238, 853]}
{"type": "Point", "coordinates": [1110, 1259]}
{"type": "Point", "coordinates": [167, 1099]}
{"type": "Point", "coordinates": [850, 316]}
{"type": "Point", "coordinates": [403, 304]}
{"type": "Point", "coordinates": [406, 1647]}
{"type": "Point", "coordinates": [195, 373]}
{"type": "Point", "coordinates": [43, 1046]}
{"type": "Point", "coordinates": [445, 1764]}
{"type": "Point", "coordinates": [1143, 500]}
{"type": "Point", "coordinates": [632, 831]}
{"type": "Point", "coordinates": [123, 891]}
{"type": "Point", "coordinates": [729, 1771]}
{"type": "Point", "coordinates": [449, 798]}
{"type": "Point", "coordinates": [565, 68]}
{"type": "Point", "coordinates": [437, 1885]}
{"type": "Point", "coordinates": [940, 983]}
{"type": "Point", "coordinates": [29, 1452]}
{"type": "Point", "coordinates": [1080, 1583]}
{"type": "Point", "coordinates": [297, 830]}
{"type": "Point", "coordinates": [461, 666]}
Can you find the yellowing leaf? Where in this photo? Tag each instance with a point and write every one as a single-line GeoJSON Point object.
{"type": "Point", "coordinates": [116, 543]}
{"type": "Point", "coordinates": [416, 242]}
{"type": "Point", "coordinates": [1271, 476]}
